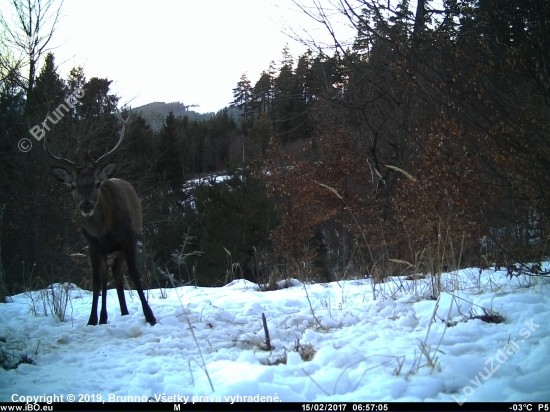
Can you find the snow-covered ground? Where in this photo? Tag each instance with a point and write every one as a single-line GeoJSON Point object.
{"type": "Point", "coordinates": [399, 347]}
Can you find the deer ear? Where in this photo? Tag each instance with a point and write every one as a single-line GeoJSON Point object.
{"type": "Point", "coordinates": [107, 171]}
{"type": "Point", "coordinates": [62, 175]}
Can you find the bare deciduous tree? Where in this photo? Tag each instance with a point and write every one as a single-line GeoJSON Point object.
{"type": "Point", "coordinates": [29, 32]}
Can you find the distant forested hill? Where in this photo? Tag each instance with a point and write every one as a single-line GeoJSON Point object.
{"type": "Point", "coordinates": [155, 113]}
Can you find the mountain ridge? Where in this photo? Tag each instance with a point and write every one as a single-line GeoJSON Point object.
{"type": "Point", "coordinates": [155, 113]}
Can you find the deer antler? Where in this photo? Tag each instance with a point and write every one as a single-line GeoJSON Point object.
{"type": "Point", "coordinates": [110, 152]}
{"type": "Point", "coordinates": [59, 159]}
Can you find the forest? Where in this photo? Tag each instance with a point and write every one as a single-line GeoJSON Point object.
{"type": "Point", "coordinates": [421, 146]}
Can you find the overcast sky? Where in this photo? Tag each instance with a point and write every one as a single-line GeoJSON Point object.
{"type": "Point", "coordinates": [192, 51]}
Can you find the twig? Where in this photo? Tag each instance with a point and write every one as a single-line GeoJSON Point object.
{"type": "Point", "coordinates": [311, 307]}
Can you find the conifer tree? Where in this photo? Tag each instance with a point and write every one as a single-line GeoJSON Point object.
{"type": "Point", "coordinates": [49, 89]}
{"type": "Point", "coordinates": [230, 220]}
{"type": "Point", "coordinates": [170, 161]}
{"type": "Point", "coordinates": [242, 95]}
{"type": "Point", "coordinates": [263, 94]}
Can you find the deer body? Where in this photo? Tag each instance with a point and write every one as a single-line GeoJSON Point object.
{"type": "Point", "coordinates": [111, 218]}
{"type": "Point", "coordinates": [126, 216]}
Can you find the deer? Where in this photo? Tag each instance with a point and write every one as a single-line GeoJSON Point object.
{"type": "Point", "coordinates": [111, 222]}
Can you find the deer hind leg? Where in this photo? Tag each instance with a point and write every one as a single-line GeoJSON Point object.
{"type": "Point", "coordinates": [130, 253]}
{"type": "Point", "coordinates": [119, 267]}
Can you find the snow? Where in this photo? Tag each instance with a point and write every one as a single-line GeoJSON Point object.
{"type": "Point", "coordinates": [207, 179]}
{"type": "Point", "coordinates": [356, 347]}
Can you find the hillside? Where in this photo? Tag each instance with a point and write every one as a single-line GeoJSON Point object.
{"type": "Point", "coordinates": [155, 113]}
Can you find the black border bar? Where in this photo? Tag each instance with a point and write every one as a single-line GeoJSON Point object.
{"type": "Point", "coordinates": [291, 406]}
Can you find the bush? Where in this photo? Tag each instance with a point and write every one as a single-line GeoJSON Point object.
{"type": "Point", "coordinates": [232, 218]}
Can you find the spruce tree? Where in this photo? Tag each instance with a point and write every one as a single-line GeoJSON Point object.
{"type": "Point", "coordinates": [170, 161]}
{"type": "Point", "coordinates": [49, 90]}
{"type": "Point", "coordinates": [242, 95]}
{"type": "Point", "coordinates": [231, 221]}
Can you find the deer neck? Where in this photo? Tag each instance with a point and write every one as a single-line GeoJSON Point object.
{"type": "Point", "coordinates": [97, 225]}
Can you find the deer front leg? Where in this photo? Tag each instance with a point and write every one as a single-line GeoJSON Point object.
{"type": "Point", "coordinates": [99, 273]}
{"type": "Point", "coordinates": [104, 271]}
{"type": "Point", "coordinates": [96, 284]}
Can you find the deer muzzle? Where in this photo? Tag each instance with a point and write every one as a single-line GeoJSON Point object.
{"type": "Point", "coordinates": [87, 208]}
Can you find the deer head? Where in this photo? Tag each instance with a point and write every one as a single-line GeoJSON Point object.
{"type": "Point", "coordinates": [86, 181]}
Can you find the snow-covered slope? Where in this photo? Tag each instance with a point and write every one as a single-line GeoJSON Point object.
{"type": "Point", "coordinates": [363, 349]}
